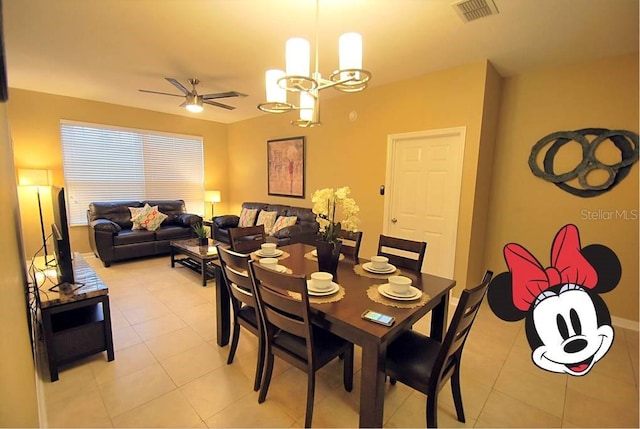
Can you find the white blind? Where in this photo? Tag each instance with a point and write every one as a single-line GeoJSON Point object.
{"type": "Point", "coordinates": [103, 163]}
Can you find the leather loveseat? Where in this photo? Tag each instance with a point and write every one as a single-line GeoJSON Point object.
{"type": "Point", "coordinates": [112, 238]}
{"type": "Point", "coordinates": [305, 229]}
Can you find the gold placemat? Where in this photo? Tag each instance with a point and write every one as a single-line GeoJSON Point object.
{"type": "Point", "coordinates": [255, 257]}
{"type": "Point", "coordinates": [375, 296]}
{"type": "Point", "coordinates": [311, 256]}
{"type": "Point", "coordinates": [335, 297]}
{"type": "Point", "coordinates": [362, 272]}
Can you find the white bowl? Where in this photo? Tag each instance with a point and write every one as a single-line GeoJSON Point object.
{"type": "Point", "coordinates": [268, 248]}
{"type": "Point", "coordinates": [379, 262]}
{"type": "Point", "coordinates": [399, 284]}
{"type": "Point", "coordinates": [321, 281]}
{"type": "Point", "coordinates": [270, 263]}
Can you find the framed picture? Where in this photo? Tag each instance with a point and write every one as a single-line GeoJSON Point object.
{"type": "Point", "coordinates": [285, 172]}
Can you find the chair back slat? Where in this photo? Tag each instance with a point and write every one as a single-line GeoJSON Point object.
{"type": "Point", "coordinates": [351, 242]}
{"type": "Point", "coordinates": [247, 239]}
{"type": "Point", "coordinates": [235, 271]}
{"type": "Point", "coordinates": [402, 252]}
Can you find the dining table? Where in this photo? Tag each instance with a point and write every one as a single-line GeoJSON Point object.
{"type": "Point", "coordinates": [343, 316]}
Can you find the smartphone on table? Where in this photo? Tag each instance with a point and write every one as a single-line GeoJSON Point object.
{"type": "Point", "coordinates": [375, 317]}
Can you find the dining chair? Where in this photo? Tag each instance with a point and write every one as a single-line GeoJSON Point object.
{"type": "Point", "coordinates": [426, 365]}
{"type": "Point", "coordinates": [402, 252]}
{"type": "Point", "coordinates": [235, 273]}
{"type": "Point", "coordinates": [247, 239]}
{"type": "Point", "coordinates": [283, 301]}
{"type": "Point", "coordinates": [350, 243]}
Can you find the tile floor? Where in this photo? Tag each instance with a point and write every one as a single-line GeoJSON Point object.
{"type": "Point", "coordinates": [169, 372]}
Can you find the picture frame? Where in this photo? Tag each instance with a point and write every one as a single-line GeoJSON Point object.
{"type": "Point", "coordinates": [286, 167]}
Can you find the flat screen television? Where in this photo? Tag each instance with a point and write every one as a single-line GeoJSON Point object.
{"type": "Point", "coordinates": [61, 239]}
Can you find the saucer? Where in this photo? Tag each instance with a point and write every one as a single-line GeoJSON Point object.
{"type": "Point", "coordinates": [385, 291]}
{"type": "Point", "coordinates": [275, 253]}
{"type": "Point", "coordinates": [315, 292]}
{"type": "Point", "coordinates": [368, 267]}
{"type": "Point", "coordinates": [279, 268]}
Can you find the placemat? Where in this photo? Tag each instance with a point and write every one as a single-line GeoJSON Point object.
{"type": "Point", "coordinates": [362, 272]}
{"type": "Point", "coordinates": [309, 255]}
{"type": "Point", "coordinates": [375, 296]}
{"type": "Point", "coordinates": [321, 299]}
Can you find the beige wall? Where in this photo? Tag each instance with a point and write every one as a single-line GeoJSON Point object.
{"type": "Point", "coordinates": [528, 210]}
{"type": "Point", "coordinates": [35, 129]}
{"type": "Point", "coordinates": [18, 405]}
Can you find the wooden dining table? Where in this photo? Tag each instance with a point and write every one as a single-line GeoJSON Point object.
{"type": "Point", "coordinates": [343, 318]}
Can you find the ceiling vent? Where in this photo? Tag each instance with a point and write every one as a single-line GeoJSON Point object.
{"type": "Point", "coordinates": [470, 10]}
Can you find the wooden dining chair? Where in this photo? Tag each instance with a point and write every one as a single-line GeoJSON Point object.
{"type": "Point", "coordinates": [426, 365]}
{"type": "Point", "coordinates": [402, 252]}
{"type": "Point", "coordinates": [350, 243]}
{"type": "Point", "coordinates": [235, 273]}
{"type": "Point", "coordinates": [283, 302]}
{"type": "Point", "coordinates": [247, 239]}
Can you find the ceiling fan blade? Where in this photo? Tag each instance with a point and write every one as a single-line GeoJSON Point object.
{"type": "Point", "coordinates": [177, 84]}
{"type": "Point", "coordinates": [161, 93]}
{"type": "Point", "coordinates": [223, 95]}
{"type": "Point", "coordinates": [213, 103]}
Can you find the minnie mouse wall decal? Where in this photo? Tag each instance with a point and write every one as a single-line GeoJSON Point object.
{"type": "Point", "coordinates": [568, 325]}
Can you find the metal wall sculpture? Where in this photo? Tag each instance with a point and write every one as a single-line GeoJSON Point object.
{"type": "Point", "coordinates": [625, 141]}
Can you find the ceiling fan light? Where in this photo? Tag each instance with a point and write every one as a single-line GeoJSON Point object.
{"type": "Point", "coordinates": [193, 108]}
{"type": "Point", "coordinates": [193, 103]}
{"type": "Point", "coordinates": [350, 53]}
{"type": "Point", "coordinates": [275, 94]}
{"type": "Point", "coordinates": [297, 53]}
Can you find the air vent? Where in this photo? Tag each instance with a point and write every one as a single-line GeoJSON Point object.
{"type": "Point", "coordinates": [470, 10]}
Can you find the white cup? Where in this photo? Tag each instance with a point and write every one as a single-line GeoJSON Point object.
{"type": "Point", "coordinates": [399, 284]}
{"type": "Point", "coordinates": [321, 280]}
{"type": "Point", "coordinates": [268, 248]}
{"type": "Point", "coordinates": [270, 263]}
{"type": "Point", "coordinates": [379, 262]}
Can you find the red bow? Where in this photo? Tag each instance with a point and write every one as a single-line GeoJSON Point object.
{"type": "Point", "coordinates": [529, 278]}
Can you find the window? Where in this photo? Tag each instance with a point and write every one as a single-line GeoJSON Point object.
{"type": "Point", "coordinates": [103, 163]}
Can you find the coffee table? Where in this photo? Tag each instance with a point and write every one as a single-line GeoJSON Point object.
{"type": "Point", "coordinates": [196, 257]}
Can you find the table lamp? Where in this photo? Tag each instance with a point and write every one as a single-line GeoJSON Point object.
{"type": "Point", "coordinates": [213, 197]}
{"type": "Point", "coordinates": [37, 178]}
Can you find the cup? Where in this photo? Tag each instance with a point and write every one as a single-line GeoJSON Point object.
{"type": "Point", "coordinates": [270, 263]}
{"type": "Point", "coordinates": [321, 280]}
{"type": "Point", "coordinates": [399, 284]}
{"type": "Point", "coordinates": [379, 262]}
{"type": "Point", "coordinates": [268, 248]}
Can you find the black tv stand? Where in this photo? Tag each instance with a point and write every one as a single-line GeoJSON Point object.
{"type": "Point", "coordinates": [76, 321]}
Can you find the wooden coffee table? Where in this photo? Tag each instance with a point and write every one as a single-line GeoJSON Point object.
{"type": "Point", "coordinates": [196, 257]}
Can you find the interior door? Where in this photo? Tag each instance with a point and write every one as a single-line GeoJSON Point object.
{"type": "Point", "coordinates": [424, 175]}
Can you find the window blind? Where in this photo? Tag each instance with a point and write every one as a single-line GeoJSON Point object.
{"type": "Point", "coordinates": [103, 163]}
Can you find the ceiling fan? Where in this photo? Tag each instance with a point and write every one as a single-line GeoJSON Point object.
{"type": "Point", "coordinates": [193, 101]}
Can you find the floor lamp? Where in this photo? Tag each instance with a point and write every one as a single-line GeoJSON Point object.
{"type": "Point", "coordinates": [213, 197]}
{"type": "Point", "coordinates": [37, 178]}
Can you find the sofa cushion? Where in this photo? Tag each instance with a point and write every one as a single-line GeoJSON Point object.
{"type": "Point", "coordinates": [268, 219]}
{"type": "Point", "coordinates": [105, 225]}
{"type": "Point", "coordinates": [115, 211]}
{"type": "Point", "coordinates": [135, 212]}
{"type": "Point", "coordinates": [172, 208]}
{"type": "Point", "coordinates": [283, 222]}
{"type": "Point", "coordinates": [149, 218]}
{"type": "Point", "coordinates": [133, 236]}
{"type": "Point", "coordinates": [247, 217]}
{"type": "Point", "coordinates": [172, 232]}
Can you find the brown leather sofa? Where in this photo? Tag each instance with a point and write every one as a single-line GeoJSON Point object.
{"type": "Point", "coordinates": [112, 239]}
{"type": "Point", "coordinates": [304, 231]}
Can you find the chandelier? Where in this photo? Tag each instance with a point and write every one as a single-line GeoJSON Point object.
{"type": "Point", "coordinates": [351, 77]}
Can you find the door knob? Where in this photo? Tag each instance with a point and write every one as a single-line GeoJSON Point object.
{"type": "Point", "coordinates": [394, 220]}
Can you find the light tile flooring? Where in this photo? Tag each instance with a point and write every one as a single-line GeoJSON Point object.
{"type": "Point", "coordinates": [169, 372]}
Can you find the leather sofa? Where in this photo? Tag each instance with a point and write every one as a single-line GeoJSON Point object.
{"type": "Point", "coordinates": [304, 231]}
{"type": "Point", "coordinates": [112, 238]}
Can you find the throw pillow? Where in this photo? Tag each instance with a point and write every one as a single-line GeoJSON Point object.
{"type": "Point", "coordinates": [268, 219]}
{"type": "Point", "coordinates": [283, 222]}
{"type": "Point", "coordinates": [150, 218]}
{"type": "Point", "coordinates": [135, 211]}
{"type": "Point", "coordinates": [247, 217]}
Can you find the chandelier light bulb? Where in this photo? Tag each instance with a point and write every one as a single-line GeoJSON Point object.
{"type": "Point", "coordinates": [306, 106]}
{"type": "Point", "coordinates": [297, 57]}
{"type": "Point", "coordinates": [275, 94]}
{"type": "Point", "coordinates": [350, 52]}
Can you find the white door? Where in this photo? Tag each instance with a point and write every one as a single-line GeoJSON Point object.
{"type": "Point", "coordinates": [422, 196]}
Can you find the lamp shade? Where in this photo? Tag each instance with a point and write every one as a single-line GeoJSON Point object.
{"type": "Point", "coordinates": [32, 177]}
{"type": "Point", "coordinates": [212, 196]}
{"type": "Point", "coordinates": [275, 94]}
{"type": "Point", "coordinates": [350, 52]}
{"type": "Point", "coordinates": [297, 57]}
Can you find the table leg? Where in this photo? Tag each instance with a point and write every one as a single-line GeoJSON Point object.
{"type": "Point", "coordinates": [173, 256]}
{"type": "Point", "coordinates": [439, 316]}
{"type": "Point", "coordinates": [203, 270]}
{"type": "Point", "coordinates": [372, 385]}
{"type": "Point", "coordinates": [106, 311]}
{"type": "Point", "coordinates": [223, 311]}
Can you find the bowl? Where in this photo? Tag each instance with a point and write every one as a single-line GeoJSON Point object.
{"type": "Point", "coordinates": [321, 280]}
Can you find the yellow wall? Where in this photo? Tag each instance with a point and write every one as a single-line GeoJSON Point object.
{"type": "Point", "coordinates": [528, 210]}
{"type": "Point", "coordinates": [35, 129]}
{"type": "Point", "coordinates": [18, 405]}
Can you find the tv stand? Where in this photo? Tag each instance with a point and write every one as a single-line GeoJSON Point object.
{"type": "Point", "coordinates": [76, 319]}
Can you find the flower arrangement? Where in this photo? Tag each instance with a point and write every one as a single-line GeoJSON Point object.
{"type": "Point", "coordinates": [327, 205]}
